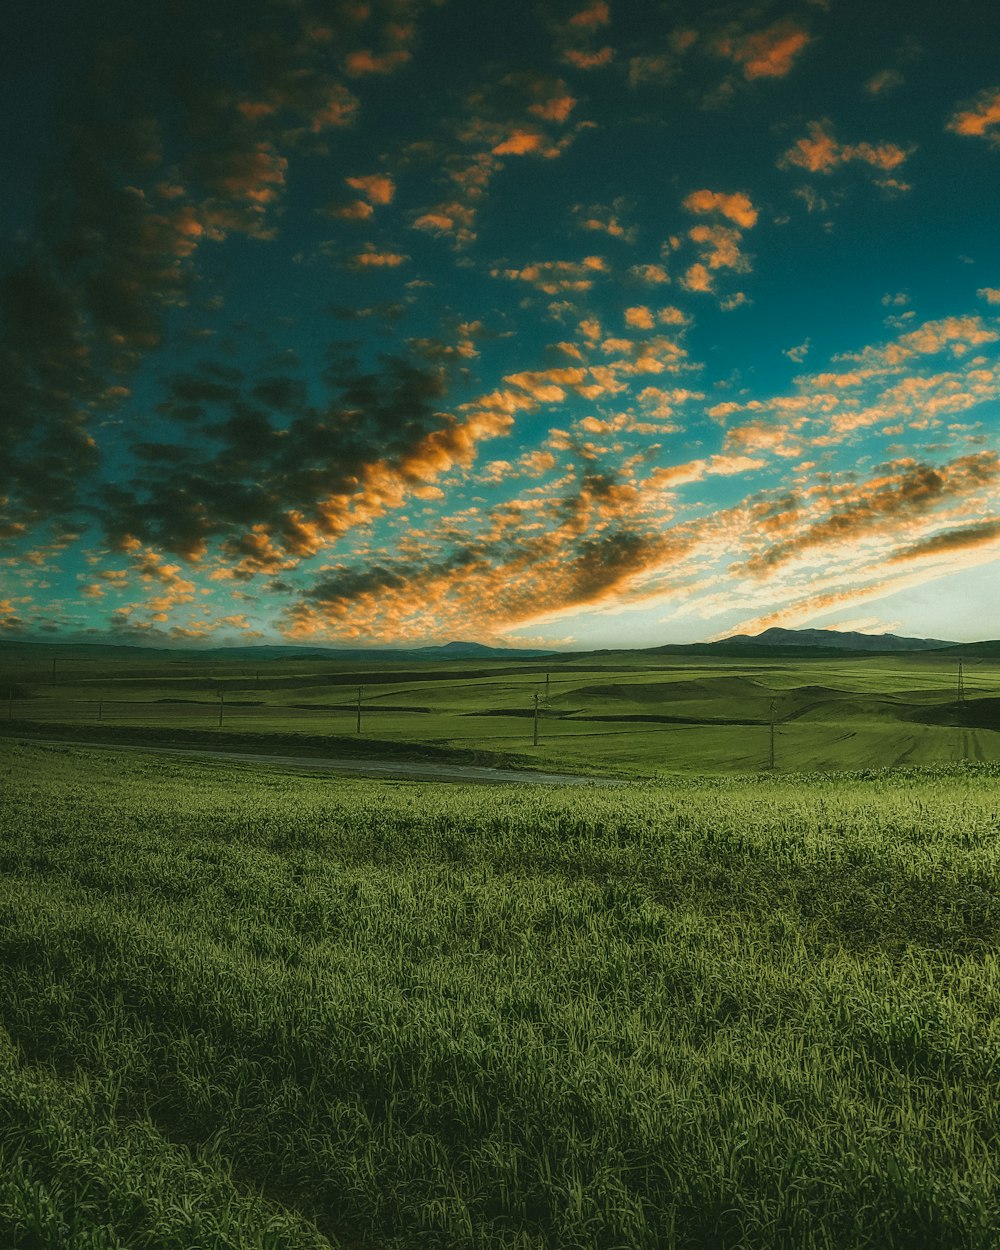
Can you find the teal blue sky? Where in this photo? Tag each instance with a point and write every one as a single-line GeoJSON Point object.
{"type": "Point", "coordinates": [587, 324]}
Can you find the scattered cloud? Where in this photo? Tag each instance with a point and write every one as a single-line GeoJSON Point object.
{"type": "Point", "coordinates": [799, 353]}
{"type": "Point", "coordinates": [768, 53]}
{"type": "Point", "coordinates": [376, 188]}
{"type": "Point", "coordinates": [948, 541]}
{"type": "Point", "coordinates": [607, 219]}
{"type": "Point", "coordinates": [821, 153]}
{"type": "Point", "coordinates": [554, 277]}
{"type": "Point", "coordinates": [372, 258]}
{"type": "Point", "coordinates": [979, 118]}
{"type": "Point", "coordinates": [884, 82]}
{"type": "Point", "coordinates": [655, 275]}
{"type": "Point", "coordinates": [737, 207]}
{"type": "Point", "coordinates": [575, 37]}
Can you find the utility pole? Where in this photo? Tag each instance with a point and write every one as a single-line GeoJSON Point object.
{"type": "Point", "coordinates": [534, 738]}
{"type": "Point", "coordinates": [546, 687]}
{"type": "Point", "coordinates": [222, 706]}
{"type": "Point", "coordinates": [961, 684]}
{"type": "Point", "coordinates": [360, 689]}
{"type": "Point", "coordinates": [771, 757]}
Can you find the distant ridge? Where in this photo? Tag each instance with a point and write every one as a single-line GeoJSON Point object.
{"type": "Point", "coordinates": [276, 651]}
{"type": "Point", "coordinates": [843, 640]}
{"type": "Point", "coordinates": [772, 643]}
{"type": "Point", "coordinates": [473, 651]}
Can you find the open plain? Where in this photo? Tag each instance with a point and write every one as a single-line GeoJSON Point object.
{"type": "Point", "coordinates": [246, 1007]}
{"type": "Point", "coordinates": [629, 713]}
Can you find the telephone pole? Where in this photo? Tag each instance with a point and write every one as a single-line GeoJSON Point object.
{"type": "Point", "coordinates": [771, 755]}
{"type": "Point", "coordinates": [546, 687]}
{"type": "Point", "coordinates": [534, 737]}
{"type": "Point", "coordinates": [360, 689]}
{"type": "Point", "coordinates": [961, 684]}
{"type": "Point", "coordinates": [222, 707]}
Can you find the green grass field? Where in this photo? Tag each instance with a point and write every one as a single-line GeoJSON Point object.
{"type": "Point", "coordinates": [630, 713]}
{"type": "Point", "coordinates": [243, 1009]}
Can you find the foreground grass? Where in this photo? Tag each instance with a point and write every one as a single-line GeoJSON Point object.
{"type": "Point", "coordinates": [248, 1010]}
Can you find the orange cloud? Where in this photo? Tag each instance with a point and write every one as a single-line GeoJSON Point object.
{"type": "Point", "coordinates": [756, 436]}
{"type": "Point", "coordinates": [353, 210]}
{"type": "Point", "coordinates": [338, 108]}
{"type": "Point", "coordinates": [589, 60]}
{"type": "Point", "coordinates": [376, 188]}
{"type": "Point", "coordinates": [949, 541]}
{"type": "Point", "coordinates": [555, 109]}
{"type": "Point", "coordinates": [724, 465]}
{"type": "Point", "coordinates": [820, 152]}
{"type": "Point", "coordinates": [365, 61]}
{"type": "Point", "coordinates": [520, 143]}
{"type": "Point", "coordinates": [573, 37]}
{"type": "Point", "coordinates": [452, 218]}
{"type": "Point", "coordinates": [595, 14]}
{"type": "Point", "coordinates": [372, 258]}
{"type": "Point", "coordinates": [737, 207]}
{"type": "Point", "coordinates": [720, 247]}
{"type": "Point", "coordinates": [766, 53]}
{"type": "Point", "coordinates": [606, 219]}
{"type": "Point", "coordinates": [555, 276]}
{"type": "Point", "coordinates": [256, 174]}
{"type": "Point", "coordinates": [981, 118]}
{"type": "Point", "coordinates": [653, 274]}
{"type": "Point", "coordinates": [698, 278]}
{"type": "Point", "coordinates": [916, 491]}
{"type": "Point", "coordinates": [640, 317]}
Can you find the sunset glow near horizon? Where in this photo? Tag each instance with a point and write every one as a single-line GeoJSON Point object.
{"type": "Point", "coordinates": [587, 324]}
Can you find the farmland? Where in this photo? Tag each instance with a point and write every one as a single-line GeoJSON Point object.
{"type": "Point", "coordinates": [629, 713]}
{"type": "Point", "coordinates": [244, 1009]}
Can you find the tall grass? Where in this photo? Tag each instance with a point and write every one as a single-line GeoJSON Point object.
{"type": "Point", "coordinates": [248, 1010]}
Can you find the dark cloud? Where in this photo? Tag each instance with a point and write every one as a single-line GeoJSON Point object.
{"type": "Point", "coordinates": [915, 492]}
{"type": "Point", "coordinates": [588, 552]}
{"type": "Point", "coordinates": [962, 539]}
{"type": "Point", "coordinates": [347, 584]}
{"type": "Point", "coordinates": [391, 311]}
{"type": "Point", "coordinates": [176, 133]}
{"type": "Point", "coordinates": [263, 456]}
{"type": "Point", "coordinates": [606, 561]}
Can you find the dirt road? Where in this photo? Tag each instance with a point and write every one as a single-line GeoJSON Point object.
{"type": "Point", "coordinates": [400, 770]}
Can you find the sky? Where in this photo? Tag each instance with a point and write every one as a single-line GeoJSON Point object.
{"type": "Point", "coordinates": [585, 324]}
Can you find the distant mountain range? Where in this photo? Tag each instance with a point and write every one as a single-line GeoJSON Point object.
{"type": "Point", "coordinates": [841, 640]}
{"type": "Point", "coordinates": [273, 651]}
{"type": "Point", "coordinates": [771, 642]}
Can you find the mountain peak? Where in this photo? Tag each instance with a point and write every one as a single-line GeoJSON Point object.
{"type": "Point", "coordinates": [841, 640]}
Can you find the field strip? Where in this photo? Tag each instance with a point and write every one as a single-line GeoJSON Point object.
{"type": "Point", "coordinates": [404, 770]}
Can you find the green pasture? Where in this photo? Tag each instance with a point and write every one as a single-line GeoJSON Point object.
{"type": "Point", "coordinates": [632, 712]}
{"type": "Point", "coordinates": [243, 1010]}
